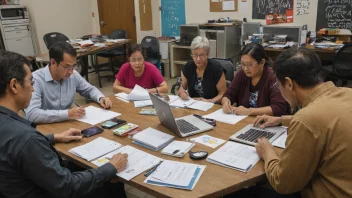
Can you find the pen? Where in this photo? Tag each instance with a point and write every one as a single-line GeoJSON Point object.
{"type": "Point", "coordinates": [153, 169]}
{"type": "Point", "coordinates": [185, 90]}
{"type": "Point", "coordinates": [76, 104]}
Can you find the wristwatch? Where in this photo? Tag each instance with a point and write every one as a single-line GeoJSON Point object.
{"type": "Point", "coordinates": [156, 89]}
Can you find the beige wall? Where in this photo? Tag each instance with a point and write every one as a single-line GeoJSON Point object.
{"type": "Point", "coordinates": [70, 17]}
{"type": "Point", "coordinates": [197, 11]}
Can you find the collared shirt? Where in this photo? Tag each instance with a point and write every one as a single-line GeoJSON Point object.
{"type": "Point", "coordinates": [31, 167]}
{"type": "Point", "coordinates": [317, 157]}
{"type": "Point", "coordinates": [52, 99]}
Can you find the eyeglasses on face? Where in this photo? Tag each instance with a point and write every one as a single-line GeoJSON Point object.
{"type": "Point", "coordinates": [201, 56]}
{"type": "Point", "coordinates": [135, 60]}
{"type": "Point", "coordinates": [246, 65]}
{"type": "Point", "coordinates": [30, 81]}
{"type": "Point", "coordinates": [73, 67]}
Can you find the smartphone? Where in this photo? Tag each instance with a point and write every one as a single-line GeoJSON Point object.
{"type": "Point", "coordinates": [111, 123]}
{"type": "Point", "coordinates": [92, 131]}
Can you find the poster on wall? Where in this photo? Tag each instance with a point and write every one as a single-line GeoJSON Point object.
{"type": "Point", "coordinates": [263, 7]}
{"type": "Point", "coordinates": [277, 18]}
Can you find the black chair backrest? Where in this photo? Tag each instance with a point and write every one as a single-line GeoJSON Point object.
{"type": "Point", "coordinates": [151, 46]}
{"type": "Point", "coordinates": [118, 34]}
{"type": "Point", "coordinates": [53, 37]}
{"type": "Point", "coordinates": [228, 66]}
{"type": "Point", "coordinates": [342, 63]}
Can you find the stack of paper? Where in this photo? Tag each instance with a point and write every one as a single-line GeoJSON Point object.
{"type": "Point", "coordinates": [145, 103]}
{"type": "Point", "coordinates": [152, 139]}
{"type": "Point", "coordinates": [236, 156]}
{"type": "Point", "coordinates": [138, 161]}
{"type": "Point", "coordinates": [96, 115]}
{"type": "Point", "coordinates": [177, 148]}
{"type": "Point", "coordinates": [176, 175]}
{"type": "Point", "coordinates": [281, 141]}
{"type": "Point", "coordinates": [122, 96]}
{"type": "Point", "coordinates": [95, 148]}
{"type": "Point", "coordinates": [138, 93]}
{"type": "Point", "coordinates": [192, 104]}
{"type": "Point", "coordinates": [221, 116]}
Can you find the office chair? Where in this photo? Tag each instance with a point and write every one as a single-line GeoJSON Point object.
{"type": "Point", "coordinates": [225, 63]}
{"type": "Point", "coordinates": [341, 68]}
{"type": "Point", "coordinates": [111, 54]}
{"type": "Point", "coordinates": [151, 46]}
{"type": "Point", "coordinates": [53, 37]}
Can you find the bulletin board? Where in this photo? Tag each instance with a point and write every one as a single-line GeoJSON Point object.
{"type": "Point", "coordinates": [145, 14]}
{"type": "Point", "coordinates": [219, 5]}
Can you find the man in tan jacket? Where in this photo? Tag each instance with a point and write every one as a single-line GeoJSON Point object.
{"type": "Point", "coordinates": [317, 157]}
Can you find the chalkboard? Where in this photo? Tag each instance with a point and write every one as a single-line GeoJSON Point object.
{"type": "Point", "coordinates": [172, 16]}
{"type": "Point", "coordinates": [263, 7]}
{"type": "Point", "coordinates": [334, 14]}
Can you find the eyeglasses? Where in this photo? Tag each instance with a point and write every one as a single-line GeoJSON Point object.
{"type": "Point", "coordinates": [74, 67]}
{"type": "Point", "coordinates": [248, 65]}
{"type": "Point", "coordinates": [201, 56]}
{"type": "Point", "coordinates": [134, 60]}
{"type": "Point", "coordinates": [30, 81]}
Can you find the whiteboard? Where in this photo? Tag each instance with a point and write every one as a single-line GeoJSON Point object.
{"type": "Point", "coordinates": [172, 16]}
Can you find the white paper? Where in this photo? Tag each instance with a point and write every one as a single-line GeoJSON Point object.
{"type": "Point", "coordinates": [228, 5]}
{"type": "Point", "coordinates": [236, 156]}
{"type": "Point", "coordinates": [153, 137]}
{"type": "Point", "coordinates": [95, 148]}
{"type": "Point", "coordinates": [208, 140]}
{"type": "Point", "coordinates": [138, 93]}
{"type": "Point", "coordinates": [193, 104]}
{"type": "Point", "coordinates": [114, 40]}
{"type": "Point", "coordinates": [143, 103]}
{"type": "Point", "coordinates": [281, 140]}
{"type": "Point", "coordinates": [122, 95]}
{"type": "Point", "coordinates": [86, 42]}
{"type": "Point", "coordinates": [182, 146]}
{"type": "Point", "coordinates": [138, 161]}
{"type": "Point", "coordinates": [221, 116]}
{"type": "Point", "coordinates": [96, 115]}
{"type": "Point", "coordinates": [175, 173]}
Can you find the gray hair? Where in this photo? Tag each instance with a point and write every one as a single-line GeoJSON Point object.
{"type": "Point", "coordinates": [200, 42]}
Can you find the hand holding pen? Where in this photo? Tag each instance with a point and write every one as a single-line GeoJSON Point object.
{"type": "Point", "coordinates": [226, 106]}
{"type": "Point", "coordinates": [76, 112]}
{"type": "Point", "coordinates": [184, 95]}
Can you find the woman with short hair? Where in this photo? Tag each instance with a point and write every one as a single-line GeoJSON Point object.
{"type": "Point", "coordinates": [202, 78]}
{"type": "Point", "coordinates": [140, 72]}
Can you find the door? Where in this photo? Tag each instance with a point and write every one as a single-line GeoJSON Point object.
{"type": "Point", "coordinates": [117, 14]}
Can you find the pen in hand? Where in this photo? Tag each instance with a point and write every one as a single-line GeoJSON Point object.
{"type": "Point", "coordinates": [76, 104]}
{"type": "Point", "coordinates": [185, 90]}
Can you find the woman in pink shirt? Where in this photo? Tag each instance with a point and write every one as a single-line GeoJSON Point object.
{"type": "Point", "coordinates": [139, 72]}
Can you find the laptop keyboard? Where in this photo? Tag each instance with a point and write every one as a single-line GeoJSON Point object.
{"type": "Point", "coordinates": [252, 135]}
{"type": "Point", "coordinates": [186, 127]}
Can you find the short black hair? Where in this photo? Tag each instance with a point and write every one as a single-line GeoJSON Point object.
{"type": "Point", "coordinates": [257, 52]}
{"type": "Point", "coordinates": [301, 65]}
{"type": "Point", "coordinates": [58, 49]}
{"type": "Point", "coordinates": [11, 66]}
{"type": "Point", "coordinates": [134, 48]}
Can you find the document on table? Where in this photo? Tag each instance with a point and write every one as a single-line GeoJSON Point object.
{"type": "Point", "coordinates": [152, 139]}
{"type": "Point", "coordinates": [138, 93]}
{"type": "Point", "coordinates": [192, 104]}
{"type": "Point", "coordinates": [143, 103]}
{"type": "Point", "coordinates": [221, 116]}
{"type": "Point", "coordinates": [177, 148]}
{"type": "Point", "coordinates": [176, 175]}
{"type": "Point", "coordinates": [95, 148]}
{"type": "Point", "coordinates": [236, 156]}
{"type": "Point", "coordinates": [138, 161]}
{"type": "Point", "coordinates": [208, 140]}
{"type": "Point", "coordinates": [281, 140]}
{"type": "Point", "coordinates": [95, 115]}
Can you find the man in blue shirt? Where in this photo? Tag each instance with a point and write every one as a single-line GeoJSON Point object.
{"type": "Point", "coordinates": [55, 88]}
{"type": "Point", "coordinates": [29, 164]}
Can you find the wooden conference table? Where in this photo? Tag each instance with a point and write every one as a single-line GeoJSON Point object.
{"type": "Point", "coordinates": [215, 180]}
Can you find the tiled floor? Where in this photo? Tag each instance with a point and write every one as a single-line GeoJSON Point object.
{"type": "Point", "coordinates": [107, 91]}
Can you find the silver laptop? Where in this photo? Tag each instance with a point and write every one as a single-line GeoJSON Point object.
{"type": "Point", "coordinates": [184, 126]}
{"type": "Point", "coordinates": [250, 135]}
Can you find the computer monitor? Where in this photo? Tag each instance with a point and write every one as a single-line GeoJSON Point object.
{"type": "Point", "coordinates": [188, 33]}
